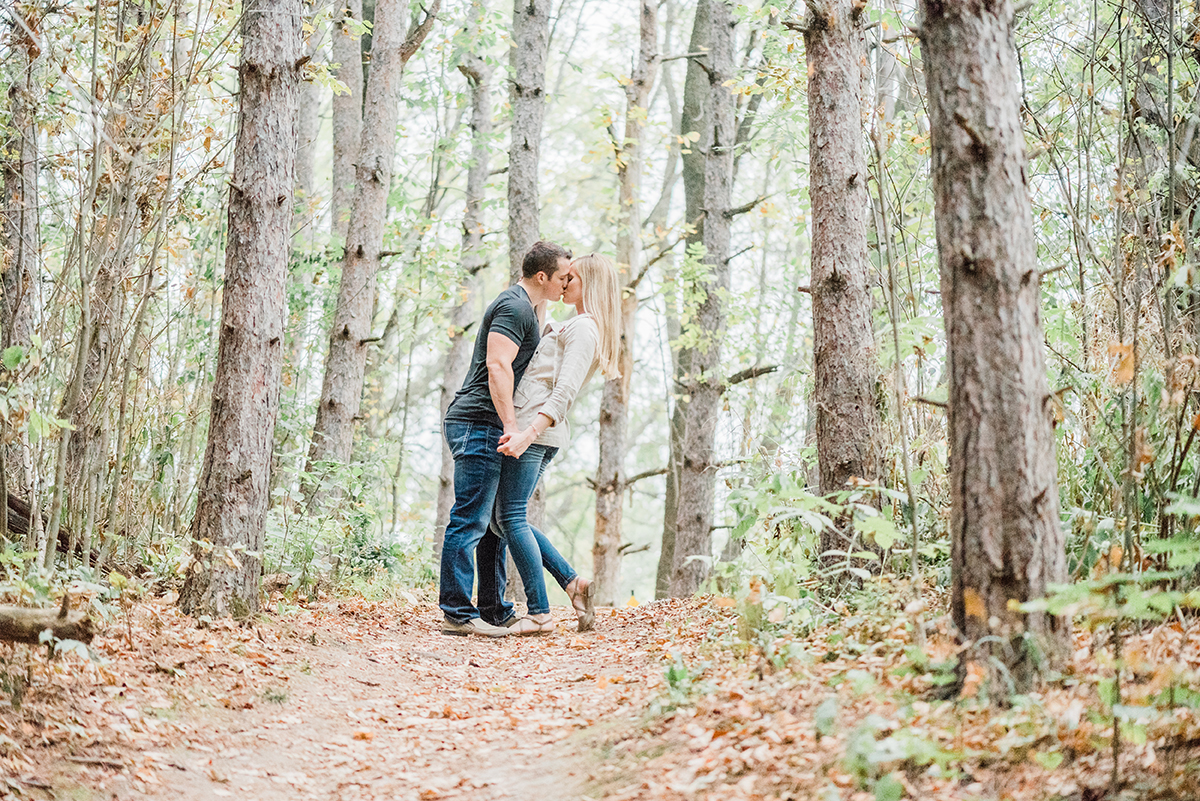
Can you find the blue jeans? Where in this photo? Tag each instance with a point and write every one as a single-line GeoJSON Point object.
{"type": "Point", "coordinates": [476, 480]}
{"type": "Point", "coordinates": [530, 548]}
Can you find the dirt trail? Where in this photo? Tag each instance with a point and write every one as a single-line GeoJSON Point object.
{"type": "Point", "coordinates": [348, 701]}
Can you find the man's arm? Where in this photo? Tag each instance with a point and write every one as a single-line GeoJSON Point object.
{"type": "Point", "coordinates": [501, 351]}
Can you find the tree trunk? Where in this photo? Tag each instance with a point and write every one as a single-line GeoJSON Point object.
{"type": "Point", "coordinates": [527, 60]}
{"type": "Point", "coordinates": [1006, 544]}
{"type": "Point", "coordinates": [223, 577]}
{"type": "Point", "coordinates": [527, 96]}
{"type": "Point", "coordinates": [479, 77]}
{"type": "Point", "coordinates": [666, 554]}
{"type": "Point", "coordinates": [845, 366]}
{"type": "Point", "coordinates": [614, 404]}
{"type": "Point", "coordinates": [693, 119]}
{"type": "Point", "coordinates": [346, 359]}
{"type": "Point", "coordinates": [20, 296]}
{"type": "Point", "coordinates": [702, 379]}
{"type": "Point", "coordinates": [21, 232]}
{"type": "Point", "coordinates": [306, 142]}
{"type": "Point", "coordinates": [347, 115]}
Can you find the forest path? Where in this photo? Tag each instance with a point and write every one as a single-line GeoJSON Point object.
{"type": "Point", "coordinates": [351, 700]}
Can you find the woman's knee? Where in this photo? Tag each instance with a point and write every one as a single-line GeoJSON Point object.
{"type": "Point", "coordinates": [510, 523]}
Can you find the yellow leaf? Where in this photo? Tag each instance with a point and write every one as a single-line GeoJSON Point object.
{"type": "Point", "coordinates": [1120, 362]}
{"type": "Point", "coordinates": [973, 604]}
{"type": "Point", "coordinates": [726, 603]}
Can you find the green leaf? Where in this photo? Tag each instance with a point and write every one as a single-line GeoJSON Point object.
{"type": "Point", "coordinates": [880, 530]}
{"type": "Point", "coordinates": [889, 788]}
{"type": "Point", "coordinates": [1048, 760]}
{"type": "Point", "coordinates": [825, 718]}
{"type": "Point", "coordinates": [13, 357]}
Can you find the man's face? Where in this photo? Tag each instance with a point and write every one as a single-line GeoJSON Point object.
{"type": "Point", "coordinates": [556, 283]}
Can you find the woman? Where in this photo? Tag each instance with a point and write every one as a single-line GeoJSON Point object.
{"type": "Point", "coordinates": [565, 361]}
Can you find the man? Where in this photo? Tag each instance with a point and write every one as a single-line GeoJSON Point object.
{"type": "Point", "coordinates": [481, 412]}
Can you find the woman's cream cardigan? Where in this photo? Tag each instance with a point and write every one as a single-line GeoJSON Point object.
{"type": "Point", "coordinates": [563, 363]}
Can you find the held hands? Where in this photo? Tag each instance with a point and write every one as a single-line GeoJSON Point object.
{"type": "Point", "coordinates": [515, 444]}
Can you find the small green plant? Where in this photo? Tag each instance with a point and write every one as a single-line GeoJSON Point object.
{"type": "Point", "coordinates": [683, 684]}
{"type": "Point", "coordinates": [874, 751]}
{"type": "Point", "coordinates": [275, 695]}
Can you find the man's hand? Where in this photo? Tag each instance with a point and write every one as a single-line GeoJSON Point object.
{"type": "Point", "coordinates": [517, 443]}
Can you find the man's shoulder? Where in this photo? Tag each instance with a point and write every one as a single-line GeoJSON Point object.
{"type": "Point", "coordinates": [513, 302]}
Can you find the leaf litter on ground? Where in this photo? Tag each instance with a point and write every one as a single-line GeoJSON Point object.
{"type": "Point", "coordinates": [350, 699]}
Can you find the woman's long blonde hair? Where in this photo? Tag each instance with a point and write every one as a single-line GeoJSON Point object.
{"type": "Point", "coordinates": [602, 300]}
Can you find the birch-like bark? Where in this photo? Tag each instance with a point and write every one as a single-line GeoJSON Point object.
{"type": "Point", "coordinates": [479, 77]}
{"type": "Point", "coordinates": [306, 140]}
{"type": "Point", "coordinates": [614, 403]}
{"type": "Point", "coordinates": [845, 366]}
{"type": "Point", "coordinates": [223, 577]}
{"type": "Point", "coordinates": [349, 335]}
{"type": "Point", "coordinates": [1006, 543]}
{"type": "Point", "coordinates": [347, 114]}
{"type": "Point", "coordinates": [700, 363]}
{"type": "Point", "coordinates": [527, 96]}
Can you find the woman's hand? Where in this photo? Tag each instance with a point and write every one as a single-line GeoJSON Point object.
{"type": "Point", "coordinates": [516, 444]}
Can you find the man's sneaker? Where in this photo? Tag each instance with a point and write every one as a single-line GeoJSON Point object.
{"type": "Point", "coordinates": [474, 626]}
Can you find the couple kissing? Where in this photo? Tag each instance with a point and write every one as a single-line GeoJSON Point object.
{"type": "Point", "coordinates": [506, 424]}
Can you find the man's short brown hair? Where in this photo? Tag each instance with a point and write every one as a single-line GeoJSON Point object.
{"type": "Point", "coordinates": [543, 258]}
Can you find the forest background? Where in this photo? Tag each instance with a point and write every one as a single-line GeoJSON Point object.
{"type": "Point", "coordinates": [119, 133]}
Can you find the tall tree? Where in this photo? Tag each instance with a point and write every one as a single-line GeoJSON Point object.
{"type": "Point", "coordinates": [346, 53]}
{"type": "Point", "coordinates": [231, 507]}
{"type": "Point", "coordinates": [708, 281]}
{"type": "Point", "coordinates": [614, 404]}
{"type": "Point", "coordinates": [350, 332]}
{"type": "Point", "coordinates": [20, 229]}
{"type": "Point", "coordinates": [845, 367]}
{"type": "Point", "coordinates": [306, 144]}
{"type": "Point", "coordinates": [1006, 543]}
{"type": "Point", "coordinates": [478, 73]}
{"type": "Point", "coordinates": [693, 119]}
{"type": "Point", "coordinates": [527, 95]}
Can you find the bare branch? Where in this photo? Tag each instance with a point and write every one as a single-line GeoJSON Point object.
{"type": "Point", "coordinates": [745, 207]}
{"type": "Point", "coordinates": [749, 373]}
{"type": "Point", "coordinates": [662, 471]}
{"type": "Point", "coordinates": [418, 31]}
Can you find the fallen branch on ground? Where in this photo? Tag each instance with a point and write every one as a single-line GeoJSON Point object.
{"type": "Point", "coordinates": [19, 624]}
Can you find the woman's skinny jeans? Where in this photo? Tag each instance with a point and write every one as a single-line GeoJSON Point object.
{"type": "Point", "coordinates": [530, 548]}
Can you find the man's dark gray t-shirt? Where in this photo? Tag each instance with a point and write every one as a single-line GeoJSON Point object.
{"type": "Point", "coordinates": [512, 315]}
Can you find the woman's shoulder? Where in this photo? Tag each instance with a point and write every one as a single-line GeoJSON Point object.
{"type": "Point", "coordinates": [581, 323]}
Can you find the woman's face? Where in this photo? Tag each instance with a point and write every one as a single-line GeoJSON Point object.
{"type": "Point", "coordinates": [573, 294]}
